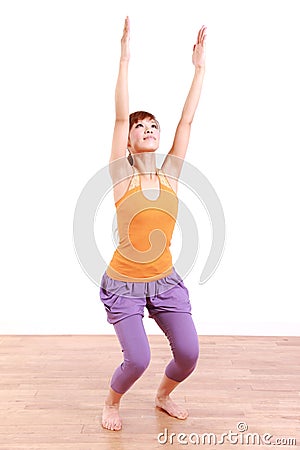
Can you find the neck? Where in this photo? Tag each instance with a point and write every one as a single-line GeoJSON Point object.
{"type": "Point", "coordinates": [145, 163]}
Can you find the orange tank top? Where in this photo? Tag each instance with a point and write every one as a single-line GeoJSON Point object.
{"type": "Point", "coordinates": [145, 230]}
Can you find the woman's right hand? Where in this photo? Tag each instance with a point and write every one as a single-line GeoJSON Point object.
{"type": "Point", "coordinates": [125, 53]}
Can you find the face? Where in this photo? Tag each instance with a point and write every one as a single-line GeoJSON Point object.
{"type": "Point", "coordinates": [144, 136]}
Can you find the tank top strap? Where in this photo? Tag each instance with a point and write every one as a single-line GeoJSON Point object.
{"type": "Point", "coordinates": [135, 180]}
{"type": "Point", "coordinates": [163, 179]}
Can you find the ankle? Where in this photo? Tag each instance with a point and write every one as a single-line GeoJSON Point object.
{"type": "Point", "coordinates": [109, 402]}
{"type": "Point", "coordinates": [162, 396]}
{"type": "Point", "coordinates": [113, 398]}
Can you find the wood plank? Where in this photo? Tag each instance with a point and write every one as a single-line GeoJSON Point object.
{"type": "Point", "coordinates": [52, 389]}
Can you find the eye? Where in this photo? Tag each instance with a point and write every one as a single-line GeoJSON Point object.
{"type": "Point", "coordinates": [139, 125]}
{"type": "Point", "coordinates": [154, 125]}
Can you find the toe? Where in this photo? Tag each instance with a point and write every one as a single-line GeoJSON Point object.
{"type": "Point", "coordinates": [184, 415]}
{"type": "Point", "coordinates": [118, 426]}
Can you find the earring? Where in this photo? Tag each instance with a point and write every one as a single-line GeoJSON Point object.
{"type": "Point", "coordinates": [130, 158]}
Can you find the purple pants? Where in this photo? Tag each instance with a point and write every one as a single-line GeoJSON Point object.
{"type": "Point", "coordinates": [167, 302]}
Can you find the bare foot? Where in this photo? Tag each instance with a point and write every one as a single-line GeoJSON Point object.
{"type": "Point", "coordinates": [171, 408]}
{"type": "Point", "coordinates": [110, 417]}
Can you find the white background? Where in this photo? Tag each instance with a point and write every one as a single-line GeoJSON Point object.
{"type": "Point", "coordinates": [59, 62]}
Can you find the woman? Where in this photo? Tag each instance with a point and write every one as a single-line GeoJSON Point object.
{"type": "Point", "coordinates": [141, 273]}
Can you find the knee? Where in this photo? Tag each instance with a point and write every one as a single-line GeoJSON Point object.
{"type": "Point", "coordinates": [138, 364]}
{"type": "Point", "coordinates": [187, 356]}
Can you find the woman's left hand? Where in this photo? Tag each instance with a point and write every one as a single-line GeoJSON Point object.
{"type": "Point", "coordinates": [199, 49]}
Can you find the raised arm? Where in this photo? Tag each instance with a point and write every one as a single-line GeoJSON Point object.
{"type": "Point", "coordinates": [120, 135]}
{"type": "Point", "coordinates": [182, 134]}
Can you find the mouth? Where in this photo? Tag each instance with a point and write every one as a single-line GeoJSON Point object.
{"type": "Point", "coordinates": [149, 137]}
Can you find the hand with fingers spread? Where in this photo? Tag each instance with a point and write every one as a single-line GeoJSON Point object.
{"type": "Point", "coordinates": [199, 49]}
{"type": "Point", "coordinates": [125, 52]}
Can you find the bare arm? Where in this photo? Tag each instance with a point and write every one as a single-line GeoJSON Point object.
{"type": "Point", "coordinates": [119, 168]}
{"type": "Point", "coordinates": [120, 135]}
{"type": "Point", "coordinates": [180, 144]}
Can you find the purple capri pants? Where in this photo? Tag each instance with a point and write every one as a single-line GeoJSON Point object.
{"type": "Point", "coordinates": [167, 302]}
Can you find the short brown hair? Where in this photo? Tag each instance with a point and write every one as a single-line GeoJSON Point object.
{"type": "Point", "coordinates": [141, 115]}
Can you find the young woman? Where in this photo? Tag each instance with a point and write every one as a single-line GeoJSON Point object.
{"type": "Point", "coordinates": [141, 273]}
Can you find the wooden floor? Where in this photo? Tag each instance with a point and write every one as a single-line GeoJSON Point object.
{"type": "Point", "coordinates": [52, 389]}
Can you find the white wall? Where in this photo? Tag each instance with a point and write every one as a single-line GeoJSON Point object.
{"type": "Point", "coordinates": [59, 63]}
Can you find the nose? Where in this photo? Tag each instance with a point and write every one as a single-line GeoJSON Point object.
{"type": "Point", "coordinates": [149, 130]}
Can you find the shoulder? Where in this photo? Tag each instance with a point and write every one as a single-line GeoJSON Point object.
{"type": "Point", "coordinates": [122, 175]}
{"type": "Point", "coordinates": [120, 169]}
{"type": "Point", "coordinates": [172, 166]}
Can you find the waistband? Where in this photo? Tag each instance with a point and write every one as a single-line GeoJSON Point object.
{"type": "Point", "coordinates": [140, 288]}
